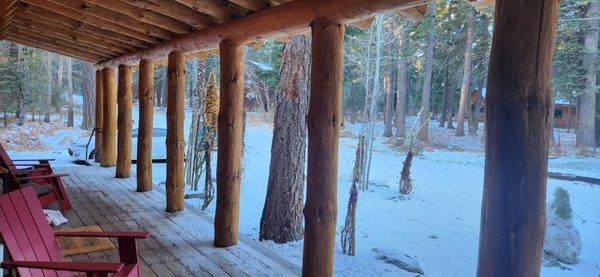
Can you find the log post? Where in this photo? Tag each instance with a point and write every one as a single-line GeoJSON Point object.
{"type": "Point", "coordinates": [99, 116]}
{"type": "Point", "coordinates": [144, 145]}
{"type": "Point", "coordinates": [513, 217]}
{"type": "Point", "coordinates": [109, 129]}
{"type": "Point", "coordinates": [124, 95]}
{"type": "Point", "coordinates": [324, 122]}
{"type": "Point", "coordinates": [229, 153]}
{"type": "Point", "coordinates": [175, 140]}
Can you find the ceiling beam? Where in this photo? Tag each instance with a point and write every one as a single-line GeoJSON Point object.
{"type": "Point", "coordinates": [179, 11]}
{"type": "Point", "coordinates": [27, 33]}
{"type": "Point", "coordinates": [289, 18]}
{"type": "Point", "coordinates": [83, 17]}
{"type": "Point", "coordinates": [50, 47]}
{"type": "Point", "coordinates": [58, 32]}
{"type": "Point", "coordinates": [52, 18]}
{"type": "Point", "coordinates": [214, 8]}
{"type": "Point", "coordinates": [145, 15]}
{"type": "Point", "coordinates": [88, 8]}
{"type": "Point", "coordinates": [7, 12]}
{"type": "Point", "coordinates": [252, 5]}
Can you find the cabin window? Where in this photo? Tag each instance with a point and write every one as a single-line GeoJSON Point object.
{"type": "Point", "coordinates": [558, 113]}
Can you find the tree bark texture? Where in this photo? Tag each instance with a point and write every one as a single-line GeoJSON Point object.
{"type": "Point", "coordinates": [229, 128]}
{"type": "Point", "coordinates": [109, 131]}
{"type": "Point", "coordinates": [124, 98]}
{"type": "Point", "coordinates": [324, 123]}
{"type": "Point", "coordinates": [145, 129]}
{"type": "Point", "coordinates": [444, 106]}
{"type": "Point", "coordinates": [282, 219]}
{"type": "Point", "coordinates": [426, 97]}
{"type": "Point", "coordinates": [89, 100]}
{"type": "Point", "coordinates": [513, 217]}
{"type": "Point", "coordinates": [402, 85]}
{"type": "Point", "coordinates": [69, 92]}
{"type": "Point", "coordinates": [48, 107]}
{"type": "Point", "coordinates": [59, 88]}
{"type": "Point", "coordinates": [388, 111]}
{"type": "Point", "coordinates": [99, 115]}
{"type": "Point", "coordinates": [175, 140]}
{"type": "Point", "coordinates": [586, 123]}
{"type": "Point", "coordinates": [464, 103]}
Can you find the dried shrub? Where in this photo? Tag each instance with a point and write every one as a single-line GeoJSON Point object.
{"type": "Point", "coordinates": [406, 182]}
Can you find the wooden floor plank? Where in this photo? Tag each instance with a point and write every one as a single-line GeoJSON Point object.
{"type": "Point", "coordinates": [180, 244]}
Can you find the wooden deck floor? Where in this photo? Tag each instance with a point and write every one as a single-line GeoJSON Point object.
{"type": "Point", "coordinates": [180, 244]}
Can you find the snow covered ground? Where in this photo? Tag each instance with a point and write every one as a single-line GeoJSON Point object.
{"type": "Point", "coordinates": [438, 224]}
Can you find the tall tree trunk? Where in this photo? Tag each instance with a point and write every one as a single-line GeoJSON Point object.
{"type": "Point", "coordinates": [59, 88]}
{"type": "Point", "coordinates": [465, 102]}
{"type": "Point", "coordinates": [451, 101]}
{"type": "Point", "coordinates": [70, 92]}
{"type": "Point", "coordinates": [89, 95]}
{"type": "Point", "coordinates": [282, 218]}
{"type": "Point", "coordinates": [425, 99]}
{"type": "Point", "coordinates": [402, 86]}
{"type": "Point", "coordinates": [585, 131]}
{"type": "Point", "coordinates": [48, 106]}
{"type": "Point", "coordinates": [444, 107]}
{"type": "Point", "coordinates": [388, 111]}
{"type": "Point", "coordinates": [478, 102]}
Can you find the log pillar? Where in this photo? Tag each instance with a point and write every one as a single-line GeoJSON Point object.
{"type": "Point", "coordinates": [124, 98]}
{"type": "Point", "coordinates": [324, 122]}
{"type": "Point", "coordinates": [513, 217]}
{"type": "Point", "coordinates": [175, 140]}
{"type": "Point", "coordinates": [229, 153]}
{"type": "Point", "coordinates": [99, 116]}
{"type": "Point", "coordinates": [109, 130]}
{"type": "Point", "coordinates": [145, 129]}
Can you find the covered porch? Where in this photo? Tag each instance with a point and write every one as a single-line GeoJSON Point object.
{"type": "Point", "coordinates": [181, 244]}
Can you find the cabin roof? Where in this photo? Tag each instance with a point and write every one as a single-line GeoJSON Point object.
{"type": "Point", "coordinates": [102, 30]}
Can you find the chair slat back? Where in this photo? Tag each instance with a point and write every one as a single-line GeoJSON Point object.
{"type": "Point", "coordinates": [5, 159]}
{"type": "Point", "coordinates": [26, 232]}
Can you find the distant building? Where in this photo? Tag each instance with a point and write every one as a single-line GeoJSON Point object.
{"type": "Point", "coordinates": [565, 114]}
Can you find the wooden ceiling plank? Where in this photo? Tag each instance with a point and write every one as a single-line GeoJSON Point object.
{"type": "Point", "coordinates": [122, 20]}
{"type": "Point", "coordinates": [56, 30]}
{"type": "Point", "coordinates": [41, 15]}
{"type": "Point", "coordinates": [290, 18]}
{"type": "Point", "coordinates": [23, 32]}
{"type": "Point", "coordinates": [63, 38]}
{"type": "Point", "coordinates": [214, 8]}
{"type": "Point", "coordinates": [412, 14]}
{"type": "Point", "coordinates": [7, 12]}
{"type": "Point", "coordinates": [90, 19]}
{"type": "Point", "coordinates": [51, 48]}
{"type": "Point", "coordinates": [178, 11]}
{"type": "Point", "coordinates": [145, 15]}
{"type": "Point", "coordinates": [252, 5]}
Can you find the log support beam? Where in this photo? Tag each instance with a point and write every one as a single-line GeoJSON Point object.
{"type": "Point", "coordinates": [229, 143]}
{"type": "Point", "coordinates": [124, 98]}
{"type": "Point", "coordinates": [324, 122]}
{"type": "Point", "coordinates": [99, 116]}
{"type": "Point", "coordinates": [109, 129]}
{"type": "Point", "coordinates": [513, 216]}
{"type": "Point", "coordinates": [145, 129]}
{"type": "Point", "coordinates": [175, 140]}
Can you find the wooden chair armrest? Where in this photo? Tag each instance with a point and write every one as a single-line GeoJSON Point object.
{"type": "Point", "coordinates": [42, 176]}
{"type": "Point", "coordinates": [31, 160]}
{"type": "Point", "coordinates": [130, 234]}
{"type": "Point", "coordinates": [38, 165]}
{"type": "Point", "coordinates": [29, 170]}
{"type": "Point", "coordinates": [68, 266]}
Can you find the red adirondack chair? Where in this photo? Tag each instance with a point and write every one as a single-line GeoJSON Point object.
{"type": "Point", "coordinates": [49, 185]}
{"type": "Point", "coordinates": [34, 249]}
